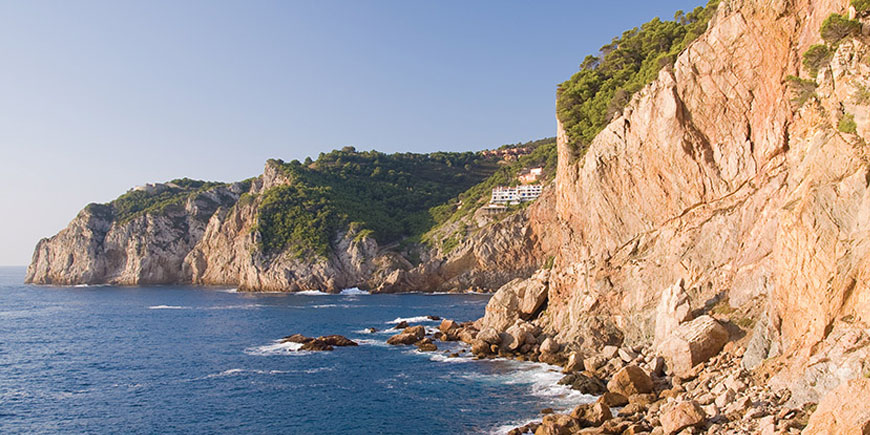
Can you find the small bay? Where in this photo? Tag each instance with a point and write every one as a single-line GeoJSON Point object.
{"type": "Point", "coordinates": [175, 359]}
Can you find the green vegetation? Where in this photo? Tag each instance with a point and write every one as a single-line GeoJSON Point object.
{"type": "Point", "coordinates": [816, 57]}
{"type": "Point", "coordinates": [466, 203]}
{"type": "Point", "coordinates": [861, 6]}
{"type": "Point", "coordinates": [802, 89]}
{"type": "Point", "coordinates": [605, 83]}
{"type": "Point", "coordinates": [136, 203]}
{"type": "Point", "coordinates": [836, 27]}
{"type": "Point", "coordinates": [385, 196]}
{"type": "Point", "coordinates": [847, 124]}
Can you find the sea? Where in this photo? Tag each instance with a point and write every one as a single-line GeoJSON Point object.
{"type": "Point", "coordinates": [176, 359]}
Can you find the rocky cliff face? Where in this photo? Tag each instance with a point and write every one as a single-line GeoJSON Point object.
{"type": "Point", "coordinates": [714, 181]}
{"type": "Point", "coordinates": [149, 249]}
{"type": "Point", "coordinates": [210, 240]}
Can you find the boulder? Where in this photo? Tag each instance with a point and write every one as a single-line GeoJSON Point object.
{"type": "Point", "coordinates": [630, 380]}
{"type": "Point", "coordinates": [509, 341]}
{"type": "Point", "coordinates": [574, 364]}
{"type": "Point", "coordinates": [337, 340]}
{"type": "Point", "coordinates": [609, 352]}
{"type": "Point", "coordinates": [489, 335]}
{"type": "Point", "coordinates": [672, 310]}
{"type": "Point", "coordinates": [557, 424]}
{"type": "Point", "coordinates": [447, 325]}
{"type": "Point", "coordinates": [681, 416]}
{"type": "Point", "coordinates": [418, 331]}
{"type": "Point", "coordinates": [843, 410]}
{"type": "Point", "coordinates": [468, 335]}
{"type": "Point", "coordinates": [409, 335]}
{"type": "Point", "coordinates": [296, 338]}
{"type": "Point", "coordinates": [533, 298]}
{"type": "Point", "coordinates": [693, 343]}
{"type": "Point", "coordinates": [316, 345]}
{"type": "Point", "coordinates": [433, 318]}
{"type": "Point", "coordinates": [591, 414]}
{"type": "Point", "coordinates": [401, 325]}
{"type": "Point", "coordinates": [550, 346]}
{"type": "Point", "coordinates": [426, 345]}
{"type": "Point", "coordinates": [480, 347]}
{"type": "Point", "coordinates": [584, 384]}
{"type": "Point", "coordinates": [613, 399]}
{"type": "Point", "coordinates": [594, 363]}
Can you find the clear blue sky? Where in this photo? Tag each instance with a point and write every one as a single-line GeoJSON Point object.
{"type": "Point", "coordinates": [100, 96]}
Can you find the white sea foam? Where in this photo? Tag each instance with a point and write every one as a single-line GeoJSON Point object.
{"type": "Point", "coordinates": [311, 293]}
{"type": "Point", "coordinates": [416, 319]}
{"type": "Point", "coordinates": [505, 428]}
{"type": "Point", "coordinates": [370, 342]}
{"type": "Point", "coordinates": [235, 307]}
{"type": "Point", "coordinates": [276, 348]}
{"type": "Point", "coordinates": [440, 357]}
{"type": "Point", "coordinates": [353, 291]}
{"type": "Point", "coordinates": [229, 290]}
{"type": "Point", "coordinates": [166, 307]}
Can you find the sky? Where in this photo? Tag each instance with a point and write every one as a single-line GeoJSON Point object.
{"type": "Point", "coordinates": [99, 96]}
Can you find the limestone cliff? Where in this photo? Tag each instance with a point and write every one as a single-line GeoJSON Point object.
{"type": "Point", "coordinates": [210, 239]}
{"type": "Point", "coordinates": [714, 180]}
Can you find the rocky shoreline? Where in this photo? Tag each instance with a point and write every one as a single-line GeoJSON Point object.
{"type": "Point", "coordinates": [693, 382]}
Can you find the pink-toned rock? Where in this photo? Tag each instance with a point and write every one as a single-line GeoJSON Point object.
{"type": "Point", "coordinates": [630, 380]}
{"type": "Point", "coordinates": [681, 416]}
{"type": "Point", "coordinates": [845, 410]}
{"type": "Point", "coordinates": [693, 343]}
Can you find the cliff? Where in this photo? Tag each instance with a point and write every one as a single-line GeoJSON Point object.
{"type": "Point", "coordinates": [214, 236]}
{"type": "Point", "coordinates": [715, 183]}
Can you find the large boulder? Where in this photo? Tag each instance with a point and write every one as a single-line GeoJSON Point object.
{"type": "Point", "coordinates": [557, 424]}
{"type": "Point", "coordinates": [630, 380]}
{"type": "Point", "coordinates": [533, 298]}
{"type": "Point", "coordinates": [692, 343]}
{"type": "Point", "coordinates": [316, 345]}
{"type": "Point", "coordinates": [409, 335]}
{"type": "Point", "coordinates": [681, 416]}
{"type": "Point", "coordinates": [518, 299]}
{"type": "Point", "coordinates": [489, 335]}
{"type": "Point", "coordinates": [550, 346]}
{"type": "Point", "coordinates": [844, 410]}
{"type": "Point", "coordinates": [296, 338]}
{"type": "Point", "coordinates": [592, 414]}
{"type": "Point", "coordinates": [447, 325]}
{"type": "Point", "coordinates": [584, 384]}
{"type": "Point", "coordinates": [337, 340]}
{"type": "Point", "coordinates": [672, 310]}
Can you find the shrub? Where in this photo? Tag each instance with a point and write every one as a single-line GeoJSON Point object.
{"type": "Point", "coordinates": [847, 124]}
{"type": "Point", "coordinates": [817, 57]}
{"type": "Point", "coordinates": [591, 97]}
{"type": "Point", "coordinates": [836, 27]}
{"type": "Point", "coordinates": [861, 6]}
{"type": "Point", "coordinates": [802, 89]}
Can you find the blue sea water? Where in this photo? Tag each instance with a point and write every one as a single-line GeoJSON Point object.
{"type": "Point", "coordinates": [195, 360]}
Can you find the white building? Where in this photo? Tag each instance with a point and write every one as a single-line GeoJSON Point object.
{"type": "Point", "coordinates": [515, 195]}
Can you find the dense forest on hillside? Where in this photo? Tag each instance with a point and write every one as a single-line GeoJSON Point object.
{"type": "Point", "coordinates": [387, 196]}
{"type": "Point", "coordinates": [605, 83]}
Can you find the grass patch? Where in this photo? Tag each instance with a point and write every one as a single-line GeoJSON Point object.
{"type": "Point", "coordinates": [847, 124]}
